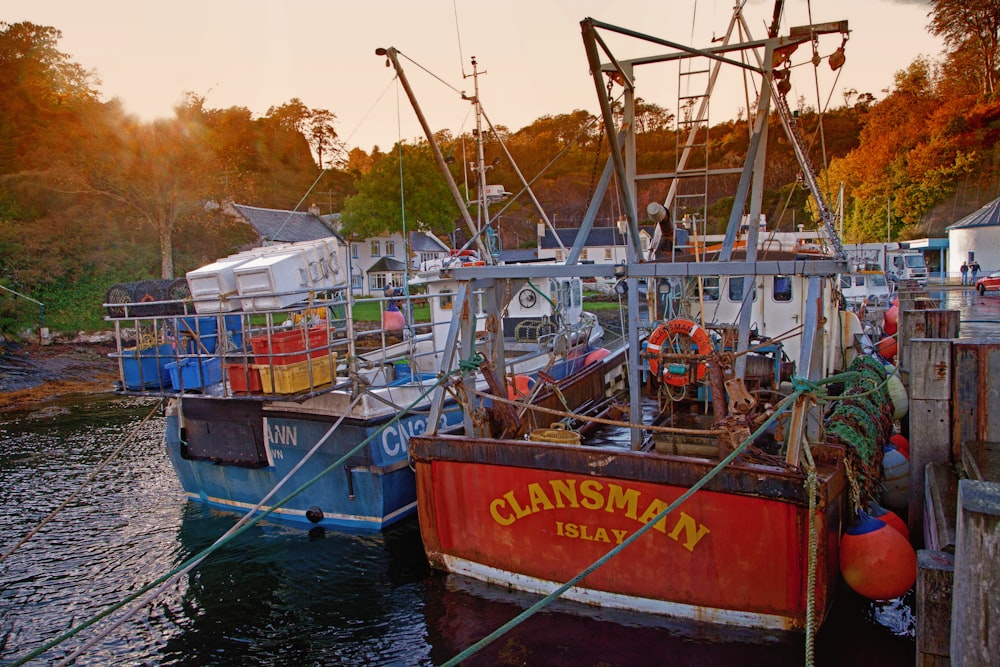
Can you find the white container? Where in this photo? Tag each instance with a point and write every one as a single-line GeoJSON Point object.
{"type": "Point", "coordinates": [273, 281]}
{"type": "Point", "coordinates": [213, 287]}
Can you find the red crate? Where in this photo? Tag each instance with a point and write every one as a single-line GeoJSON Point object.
{"type": "Point", "coordinates": [279, 350]}
{"type": "Point", "coordinates": [242, 377]}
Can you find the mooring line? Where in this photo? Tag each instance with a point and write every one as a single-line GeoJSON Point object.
{"type": "Point", "coordinates": [551, 597]}
{"type": "Point", "coordinates": [192, 562]}
{"type": "Point", "coordinates": [86, 483]}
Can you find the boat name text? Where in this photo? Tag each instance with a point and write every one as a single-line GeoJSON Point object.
{"type": "Point", "coordinates": [592, 495]}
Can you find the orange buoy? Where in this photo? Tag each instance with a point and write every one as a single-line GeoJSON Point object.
{"type": "Point", "coordinates": [890, 519]}
{"type": "Point", "coordinates": [890, 321]}
{"type": "Point", "coordinates": [596, 355]}
{"type": "Point", "coordinates": [521, 387]}
{"type": "Point", "coordinates": [899, 441]}
{"type": "Point", "coordinates": [876, 561]}
{"type": "Point", "coordinates": [887, 348]}
{"type": "Point", "coordinates": [392, 318]}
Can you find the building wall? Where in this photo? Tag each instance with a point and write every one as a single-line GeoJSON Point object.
{"type": "Point", "coordinates": [984, 242]}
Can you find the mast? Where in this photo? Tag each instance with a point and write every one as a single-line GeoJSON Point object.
{"type": "Point", "coordinates": [392, 54]}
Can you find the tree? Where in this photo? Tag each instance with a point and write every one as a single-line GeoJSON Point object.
{"type": "Point", "coordinates": [380, 204]}
{"type": "Point", "coordinates": [158, 172]}
{"type": "Point", "coordinates": [971, 25]}
{"type": "Point", "coordinates": [40, 89]}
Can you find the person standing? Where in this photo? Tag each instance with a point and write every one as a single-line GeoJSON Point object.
{"type": "Point", "coordinates": [974, 270]}
{"type": "Point", "coordinates": [965, 273]}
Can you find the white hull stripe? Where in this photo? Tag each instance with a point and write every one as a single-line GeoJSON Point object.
{"type": "Point", "coordinates": [590, 596]}
{"type": "Point", "coordinates": [237, 505]}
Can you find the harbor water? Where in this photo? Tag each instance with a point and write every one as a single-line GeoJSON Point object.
{"type": "Point", "coordinates": [278, 595]}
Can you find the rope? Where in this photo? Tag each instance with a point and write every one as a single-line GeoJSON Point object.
{"type": "Point", "coordinates": [86, 483]}
{"type": "Point", "coordinates": [551, 597]}
{"type": "Point", "coordinates": [192, 562]}
{"type": "Point", "coordinates": [812, 483]}
{"type": "Point", "coordinates": [599, 420]}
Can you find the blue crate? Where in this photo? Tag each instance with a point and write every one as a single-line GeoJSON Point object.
{"type": "Point", "coordinates": [195, 372]}
{"type": "Point", "coordinates": [207, 331]}
{"type": "Point", "coordinates": [147, 369]}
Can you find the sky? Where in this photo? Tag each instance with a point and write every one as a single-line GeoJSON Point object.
{"type": "Point", "coordinates": [262, 53]}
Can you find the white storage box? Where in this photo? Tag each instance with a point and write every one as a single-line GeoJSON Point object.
{"type": "Point", "coordinates": [273, 281]}
{"type": "Point", "coordinates": [213, 287]}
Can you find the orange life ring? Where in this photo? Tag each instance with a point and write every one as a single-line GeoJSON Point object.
{"type": "Point", "coordinates": [698, 335]}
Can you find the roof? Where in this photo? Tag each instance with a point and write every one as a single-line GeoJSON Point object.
{"type": "Point", "coordinates": [598, 237]}
{"type": "Point", "coordinates": [386, 264]}
{"type": "Point", "coordinates": [284, 226]}
{"type": "Point", "coordinates": [987, 216]}
{"type": "Point", "coordinates": [423, 242]}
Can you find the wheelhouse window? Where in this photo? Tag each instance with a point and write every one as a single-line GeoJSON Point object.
{"type": "Point", "coordinates": [447, 300]}
{"type": "Point", "coordinates": [710, 288]}
{"type": "Point", "coordinates": [737, 287]}
{"type": "Point", "coordinates": [782, 289]}
{"type": "Point", "coordinates": [845, 282]}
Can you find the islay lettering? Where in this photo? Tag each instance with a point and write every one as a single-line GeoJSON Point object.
{"type": "Point", "coordinates": [592, 495]}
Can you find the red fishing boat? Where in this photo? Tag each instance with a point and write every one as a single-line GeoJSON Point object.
{"type": "Point", "coordinates": [725, 500]}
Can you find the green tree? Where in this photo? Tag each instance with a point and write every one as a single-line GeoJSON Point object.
{"type": "Point", "coordinates": [424, 198]}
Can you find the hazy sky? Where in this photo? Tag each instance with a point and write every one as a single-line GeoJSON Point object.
{"type": "Point", "coordinates": [262, 53]}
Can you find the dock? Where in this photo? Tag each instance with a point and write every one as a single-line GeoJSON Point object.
{"type": "Point", "coordinates": [953, 426]}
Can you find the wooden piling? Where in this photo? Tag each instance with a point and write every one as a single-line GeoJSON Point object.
{"type": "Point", "coordinates": [975, 397]}
{"type": "Point", "coordinates": [935, 575]}
{"type": "Point", "coordinates": [930, 420]}
{"type": "Point", "coordinates": [975, 621]}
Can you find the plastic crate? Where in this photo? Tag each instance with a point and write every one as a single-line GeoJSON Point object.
{"type": "Point", "coordinates": [283, 345]}
{"type": "Point", "coordinates": [294, 378]}
{"type": "Point", "coordinates": [194, 373]}
{"type": "Point", "coordinates": [147, 368]}
{"type": "Point", "coordinates": [243, 379]}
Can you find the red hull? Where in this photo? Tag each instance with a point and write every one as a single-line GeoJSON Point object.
{"type": "Point", "coordinates": [533, 515]}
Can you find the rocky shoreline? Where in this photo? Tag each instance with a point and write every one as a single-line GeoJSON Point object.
{"type": "Point", "coordinates": [31, 372]}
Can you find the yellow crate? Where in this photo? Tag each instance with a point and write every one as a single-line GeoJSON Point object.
{"type": "Point", "coordinates": [293, 378]}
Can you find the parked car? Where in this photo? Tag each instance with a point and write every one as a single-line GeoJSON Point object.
{"type": "Point", "coordinates": [990, 283]}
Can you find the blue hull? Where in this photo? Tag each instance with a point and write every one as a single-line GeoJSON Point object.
{"type": "Point", "coordinates": [232, 463]}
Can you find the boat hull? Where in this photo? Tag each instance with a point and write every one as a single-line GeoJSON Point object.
{"type": "Point", "coordinates": [231, 454]}
{"type": "Point", "coordinates": [532, 516]}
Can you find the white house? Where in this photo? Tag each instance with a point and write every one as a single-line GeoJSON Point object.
{"type": "Point", "coordinates": [604, 245]}
{"type": "Point", "coordinates": [976, 237]}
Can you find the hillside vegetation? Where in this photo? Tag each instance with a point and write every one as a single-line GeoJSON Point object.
{"type": "Point", "coordinates": [91, 196]}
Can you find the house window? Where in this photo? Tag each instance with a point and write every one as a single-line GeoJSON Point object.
{"type": "Point", "coordinates": [357, 282]}
{"type": "Point", "coordinates": [783, 288]}
{"type": "Point", "coordinates": [373, 249]}
{"type": "Point", "coordinates": [378, 281]}
{"type": "Point", "coordinates": [607, 254]}
{"type": "Point", "coordinates": [354, 250]}
{"type": "Point", "coordinates": [390, 248]}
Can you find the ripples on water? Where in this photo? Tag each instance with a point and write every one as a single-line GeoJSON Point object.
{"type": "Point", "coordinates": [280, 596]}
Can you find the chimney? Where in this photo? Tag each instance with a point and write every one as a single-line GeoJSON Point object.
{"type": "Point", "coordinates": [314, 209]}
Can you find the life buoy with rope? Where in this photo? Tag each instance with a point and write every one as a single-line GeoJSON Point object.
{"type": "Point", "coordinates": [678, 375]}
